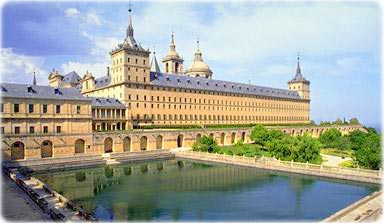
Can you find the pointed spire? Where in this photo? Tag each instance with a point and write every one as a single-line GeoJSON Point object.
{"type": "Point", "coordinates": [172, 46]}
{"type": "Point", "coordinates": [173, 40]}
{"type": "Point", "coordinates": [154, 66]}
{"type": "Point", "coordinates": [130, 27]}
{"type": "Point", "coordinates": [298, 69]}
{"type": "Point", "coordinates": [34, 77]}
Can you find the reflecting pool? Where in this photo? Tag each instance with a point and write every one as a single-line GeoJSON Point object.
{"type": "Point", "coordinates": [188, 190]}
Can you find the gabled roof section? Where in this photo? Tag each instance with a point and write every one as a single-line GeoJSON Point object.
{"type": "Point", "coordinates": [201, 83]}
{"type": "Point", "coordinates": [9, 90]}
{"type": "Point", "coordinates": [154, 65]}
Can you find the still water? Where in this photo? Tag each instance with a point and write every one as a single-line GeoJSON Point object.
{"type": "Point", "coordinates": [188, 190]}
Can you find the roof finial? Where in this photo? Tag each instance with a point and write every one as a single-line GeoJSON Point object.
{"type": "Point", "coordinates": [298, 69]}
{"type": "Point", "coordinates": [34, 77]}
{"type": "Point", "coordinates": [130, 27]}
{"type": "Point", "coordinates": [129, 6]}
{"type": "Point", "coordinates": [173, 39]}
{"type": "Point", "coordinates": [154, 50]}
{"type": "Point", "coordinates": [198, 44]}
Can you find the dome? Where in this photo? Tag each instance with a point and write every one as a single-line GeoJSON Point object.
{"type": "Point", "coordinates": [199, 68]}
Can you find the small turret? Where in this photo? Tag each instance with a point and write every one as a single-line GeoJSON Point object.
{"type": "Point", "coordinates": [55, 79]}
{"type": "Point", "coordinates": [173, 63]}
{"type": "Point", "coordinates": [199, 68]}
{"type": "Point", "coordinates": [88, 82]}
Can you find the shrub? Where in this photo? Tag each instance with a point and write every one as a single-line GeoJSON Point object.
{"type": "Point", "coordinates": [205, 144]}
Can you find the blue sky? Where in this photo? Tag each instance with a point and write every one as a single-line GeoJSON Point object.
{"type": "Point", "coordinates": [339, 44]}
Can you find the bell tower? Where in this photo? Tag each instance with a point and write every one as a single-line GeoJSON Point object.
{"type": "Point", "coordinates": [173, 63]}
{"type": "Point", "coordinates": [299, 83]}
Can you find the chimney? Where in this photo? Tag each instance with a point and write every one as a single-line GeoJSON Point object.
{"type": "Point", "coordinates": [108, 71]}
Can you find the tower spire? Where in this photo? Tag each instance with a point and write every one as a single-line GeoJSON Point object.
{"type": "Point", "coordinates": [198, 54]}
{"type": "Point", "coordinates": [34, 78]}
{"type": "Point", "coordinates": [298, 69]}
{"type": "Point", "coordinates": [130, 27]}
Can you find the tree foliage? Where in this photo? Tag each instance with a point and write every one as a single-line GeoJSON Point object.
{"type": "Point", "coordinates": [330, 138]}
{"type": "Point", "coordinates": [368, 152]}
{"type": "Point", "coordinates": [259, 135]}
{"type": "Point", "coordinates": [205, 144]}
{"type": "Point", "coordinates": [354, 121]}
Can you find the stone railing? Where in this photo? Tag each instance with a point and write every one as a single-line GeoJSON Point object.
{"type": "Point", "coordinates": [355, 174]}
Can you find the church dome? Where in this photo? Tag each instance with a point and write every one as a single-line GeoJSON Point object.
{"type": "Point", "coordinates": [199, 68]}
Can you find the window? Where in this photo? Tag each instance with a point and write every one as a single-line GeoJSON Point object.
{"type": "Point", "coordinates": [78, 109]}
{"type": "Point", "coordinates": [31, 129]}
{"type": "Point", "coordinates": [17, 130]}
{"type": "Point", "coordinates": [2, 130]}
{"type": "Point", "coordinates": [57, 109]}
{"type": "Point", "coordinates": [58, 129]}
{"type": "Point", "coordinates": [16, 108]}
{"type": "Point", "coordinates": [1, 107]}
{"type": "Point", "coordinates": [45, 109]}
{"type": "Point", "coordinates": [136, 60]}
{"type": "Point", "coordinates": [30, 108]}
{"type": "Point", "coordinates": [45, 129]}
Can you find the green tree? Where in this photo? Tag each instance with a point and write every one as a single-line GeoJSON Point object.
{"type": "Point", "coordinates": [354, 121]}
{"type": "Point", "coordinates": [259, 135]}
{"type": "Point", "coordinates": [205, 144]}
{"type": "Point", "coordinates": [330, 138]}
{"type": "Point", "coordinates": [369, 154]}
{"type": "Point", "coordinates": [356, 139]}
{"type": "Point", "coordinates": [308, 150]}
{"type": "Point", "coordinates": [275, 134]}
{"type": "Point", "coordinates": [338, 122]}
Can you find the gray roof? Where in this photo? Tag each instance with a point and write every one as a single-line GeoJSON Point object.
{"type": "Point", "coordinates": [9, 90]}
{"type": "Point", "coordinates": [72, 78]}
{"type": "Point", "coordinates": [201, 83]}
{"type": "Point", "coordinates": [106, 102]}
{"type": "Point", "coordinates": [102, 81]}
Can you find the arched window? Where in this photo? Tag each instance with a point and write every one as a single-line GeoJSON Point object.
{"type": "Point", "coordinates": [159, 142]}
{"type": "Point", "coordinates": [79, 146]}
{"type": "Point", "coordinates": [143, 143]}
{"type": "Point", "coordinates": [46, 149]}
{"type": "Point", "coordinates": [127, 144]}
{"type": "Point", "coordinates": [180, 140]}
{"type": "Point", "coordinates": [108, 145]}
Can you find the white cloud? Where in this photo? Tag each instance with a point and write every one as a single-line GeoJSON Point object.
{"type": "Point", "coordinates": [17, 68]}
{"type": "Point", "coordinates": [93, 18]}
{"type": "Point", "coordinates": [97, 69]}
{"type": "Point", "coordinates": [72, 12]}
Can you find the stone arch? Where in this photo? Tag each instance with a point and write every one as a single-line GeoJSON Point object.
{"type": "Point", "coordinates": [108, 145]}
{"type": "Point", "coordinates": [233, 137]}
{"type": "Point", "coordinates": [79, 146]}
{"type": "Point", "coordinates": [243, 136]}
{"type": "Point", "coordinates": [46, 149]}
{"type": "Point", "coordinates": [212, 135]}
{"type": "Point", "coordinates": [159, 142]}
{"type": "Point", "coordinates": [198, 136]}
{"type": "Point", "coordinates": [17, 151]}
{"type": "Point", "coordinates": [143, 143]}
{"type": "Point", "coordinates": [127, 144]}
{"type": "Point", "coordinates": [180, 141]}
{"type": "Point", "coordinates": [222, 138]}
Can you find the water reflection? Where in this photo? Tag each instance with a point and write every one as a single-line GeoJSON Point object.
{"type": "Point", "coordinates": [184, 190]}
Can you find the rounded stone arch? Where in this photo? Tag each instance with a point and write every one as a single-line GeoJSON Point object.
{"type": "Point", "coordinates": [17, 151]}
{"type": "Point", "coordinates": [180, 140]}
{"type": "Point", "coordinates": [293, 132]}
{"type": "Point", "coordinates": [198, 136]}
{"type": "Point", "coordinates": [46, 149]}
{"type": "Point", "coordinates": [159, 142]}
{"type": "Point", "coordinates": [127, 144]}
{"type": "Point", "coordinates": [144, 143]}
{"type": "Point", "coordinates": [233, 137]}
{"type": "Point", "coordinates": [212, 135]}
{"type": "Point", "coordinates": [222, 138]}
{"type": "Point", "coordinates": [79, 146]}
{"type": "Point", "coordinates": [108, 145]}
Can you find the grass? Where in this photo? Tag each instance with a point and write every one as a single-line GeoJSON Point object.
{"type": "Point", "coordinates": [348, 163]}
{"type": "Point", "coordinates": [335, 152]}
{"type": "Point", "coordinates": [249, 150]}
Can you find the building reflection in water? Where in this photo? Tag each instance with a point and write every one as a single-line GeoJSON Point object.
{"type": "Point", "coordinates": [169, 190]}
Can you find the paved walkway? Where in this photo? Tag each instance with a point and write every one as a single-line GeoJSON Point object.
{"type": "Point", "coordinates": [333, 160]}
{"type": "Point", "coordinates": [17, 206]}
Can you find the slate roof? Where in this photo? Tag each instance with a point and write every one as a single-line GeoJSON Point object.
{"type": "Point", "coordinates": [201, 83]}
{"type": "Point", "coordinates": [106, 102]}
{"type": "Point", "coordinates": [9, 90]}
{"type": "Point", "coordinates": [102, 81]}
{"type": "Point", "coordinates": [72, 78]}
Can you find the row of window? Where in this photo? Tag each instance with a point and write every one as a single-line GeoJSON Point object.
{"type": "Point", "coordinates": [16, 129]}
{"type": "Point", "coordinates": [218, 102]}
{"type": "Point", "coordinates": [109, 113]}
{"type": "Point", "coordinates": [220, 117]}
{"type": "Point", "coordinates": [44, 108]}
{"type": "Point", "coordinates": [128, 60]}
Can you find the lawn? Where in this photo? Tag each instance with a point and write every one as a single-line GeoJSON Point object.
{"type": "Point", "coordinates": [249, 150]}
{"type": "Point", "coordinates": [335, 152]}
